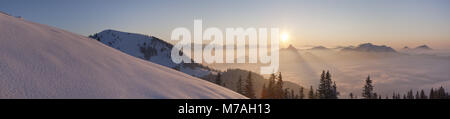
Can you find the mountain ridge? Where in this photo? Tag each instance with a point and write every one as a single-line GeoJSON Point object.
{"type": "Point", "coordinates": [369, 47]}
{"type": "Point", "coordinates": [39, 61]}
{"type": "Point", "coordinates": [148, 48]}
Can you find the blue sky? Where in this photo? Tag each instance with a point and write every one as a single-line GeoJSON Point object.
{"type": "Point", "coordinates": [309, 22]}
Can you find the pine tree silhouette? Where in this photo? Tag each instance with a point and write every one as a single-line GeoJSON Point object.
{"type": "Point", "coordinates": [417, 95]}
{"type": "Point", "coordinates": [327, 88]}
{"type": "Point", "coordinates": [410, 95]}
{"type": "Point", "coordinates": [219, 79]}
{"type": "Point", "coordinates": [279, 87]}
{"type": "Point", "coordinates": [302, 94]}
{"type": "Point", "coordinates": [270, 89]}
{"type": "Point", "coordinates": [322, 86]}
{"type": "Point", "coordinates": [335, 93]}
{"type": "Point", "coordinates": [432, 95]}
{"type": "Point", "coordinates": [422, 95]}
{"type": "Point", "coordinates": [368, 89]}
{"type": "Point", "coordinates": [441, 93]}
{"type": "Point", "coordinates": [275, 89]}
{"type": "Point", "coordinates": [250, 93]}
{"type": "Point", "coordinates": [264, 92]}
{"type": "Point", "coordinates": [239, 85]}
{"type": "Point", "coordinates": [311, 93]}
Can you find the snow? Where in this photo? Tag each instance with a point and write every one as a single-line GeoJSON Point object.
{"type": "Point", "coordinates": [39, 61]}
{"type": "Point", "coordinates": [132, 43]}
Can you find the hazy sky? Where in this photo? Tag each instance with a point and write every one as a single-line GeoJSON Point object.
{"type": "Point", "coordinates": [311, 22]}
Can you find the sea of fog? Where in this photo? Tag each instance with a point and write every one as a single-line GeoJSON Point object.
{"type": "Point", "coordinates": [390, 72]}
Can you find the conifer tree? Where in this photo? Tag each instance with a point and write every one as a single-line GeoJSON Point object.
{"type": "Point", "coordinates": [311, 93]}
{"type": "Point", "coordinates": [441, 93]}
{"type": "Point", "coordinates": [286, 94]}
{"type": "Point", "coordinates": [292, 94]}
{"type": "Point", "coordinates": [302, 94]}
{"type": "Point", "coordinates": [279, 87]}
{"type": "Point", "coordinates": [409, 95]}
{"type": "Point", "coordinates": [250, 93]}
{"type": "Point", "coordinates": [316, 95]}
{"type": "Point", "coordinates": [334, 93]}
{"type": "Point", "coordinates": [270, 88]}
{"type": "Point", "coordinates": [417, 95]}
{"type": "Point", "coordinates": [219, 79]}
{"type": "Point", "coordinates": [432, 95]}
{"type": "Point", "coordinates": [368, 89]}
{"type": "Point", "coordinates": [327, 88]}
{"type": "Point", "coordinates": [264, 92]}
{"type": "Point", "coordinates": [322, 86]}
{"type": "Point", "coordinates": [239, 85]}
{"type": "Point", "coordinates": [422, 95]}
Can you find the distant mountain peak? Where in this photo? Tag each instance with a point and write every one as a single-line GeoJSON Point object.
{"type": "Point", "coordinates": [366, 44]}
{"type": "Point", "coordinates": [1, 12]}
{"type": "Point", "coordinates": [369, 47]}
{"type": "Point", "coordinates": [291, 47]}
{"type": "Point", "coordinates": [148, 48]}
{"type": "Point", "coordinates": [423, 47]}
{"type": "Point", "coordinates": [319, 48]}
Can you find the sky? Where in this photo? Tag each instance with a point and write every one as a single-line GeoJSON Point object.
{"type": "Point", "coordinates": [329, 23]}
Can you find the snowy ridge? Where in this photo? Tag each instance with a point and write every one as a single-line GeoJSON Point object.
{"type": "Point", "coordinates": [38, 61]}
{"type": "Point", "coordinates": [148, 48]}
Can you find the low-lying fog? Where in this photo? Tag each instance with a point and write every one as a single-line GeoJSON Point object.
{"type": "Point", "coordinates": [390, 72]}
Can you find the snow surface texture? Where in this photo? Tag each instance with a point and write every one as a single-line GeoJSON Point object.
{"type": "Point", "coordinates": [148, 48]}
{"type": "Point", "coordinates": [38, 61]}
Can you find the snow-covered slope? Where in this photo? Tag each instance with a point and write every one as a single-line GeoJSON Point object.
{"type": "Point", "coordinates": [148, 48]}
{"type": "Point", "coordinates": [38, 61]}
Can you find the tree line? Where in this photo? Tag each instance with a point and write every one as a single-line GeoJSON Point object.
{"type": "Point", "coordinates": [326, 89]}
{"type": "Point", "coordinates": [368, 93]}
{"type": "Point", "coordinates": [244, 86]}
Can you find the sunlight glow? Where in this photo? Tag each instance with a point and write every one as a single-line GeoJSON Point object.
{"type": "Point", "coordinates": [284, 37]}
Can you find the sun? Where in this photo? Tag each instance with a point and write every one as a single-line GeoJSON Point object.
{"type": "Point", "coordinates": [284, 37]}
